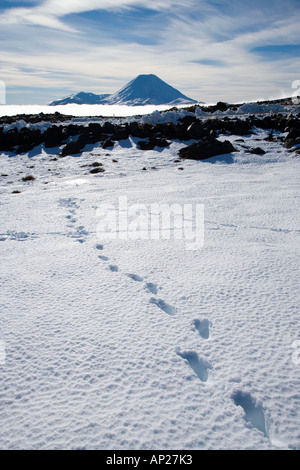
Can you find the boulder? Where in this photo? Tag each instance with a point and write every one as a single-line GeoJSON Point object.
{"type": "Point", "coordinates": [256, 151]}
{"type": "Point", "coordinates": [152, 143]}
{"type": "Point", "coordinates": [292, 142]}
{"type": "Point", "coordinates": [196, 131]}
{"type": "Point", "coordinates": [28, 139]}
{"type": "Point", "coordinates": [107, 143]}
{"type": "Point", "coordinates": [12, 138]}
{"type": "Point", "coordinates": [121, 133]}
{"type": "Point", "coordinates": [53, 137]}
{"type": "Point", "coordinates": [72, 148]}
{"type": "Point", "coordinates": [207, 148]}
{"type": "Point", "coordinates": [97, 170]}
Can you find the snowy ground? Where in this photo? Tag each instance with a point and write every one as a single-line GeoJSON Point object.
{"type": "Point", "coordinates": [145, 344]}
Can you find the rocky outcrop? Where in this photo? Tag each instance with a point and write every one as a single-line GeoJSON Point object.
{"type": "Point", "coordinates": [68, 138]}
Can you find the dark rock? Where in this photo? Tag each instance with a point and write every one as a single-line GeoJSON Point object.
{"type": "Point", "coordinates": [148, 145]}
{"type": "Point", "coordinates": [53, 137]}
{"type": "Point", "coordinates": [152, 143]}
{"type": "Point", "coordinates": [293, 133]}
{"type": "Point", "coordinates": [24, 148]}
{"type": "Point", "coordinates": [72, 148]}
{"type": "Point", "coordinates": [136, 130]}
{"type": "Point", "coordinates": [257, 151]}
{"type": "Point", "coordinates": [162, 143]}
{"type": "Point", "coordinates": [196, 131]}
{"type": "Point", "coordinates": [97, 170]}
{"type": "Point", "coordinates": [28, 178]}
{"type": "Point", "coordinates": [109, 128]}
{"type": "Point", "coordinates": [84, 139]}
{"type": "Point", "coordinates": [12, 138]}
{"type": "Point", "coordinates": [107, 143]}
{"type": "Point", "coordinates": [171, 131]}
{"type": "Point", "coordinates": [292, 142]}
{"type": "Point", "coordinates": [220, 106]}
{"type": "Point", "coordinates": [207, 148]}
{"type": "Point", "coordinates": [188, 120]}
{"type": "Point", "coordinates": [95, 128]}
{"type": "Point", "coordinates": [73, 130]}
{"type": "Point", "coordinates": [121, 133]}
{"type": "Point", "coordinates": [28, 139]}
{"type": "Point", "coordinates": [30, 136]}
{"type": "Point", "coordinates": [96, 164]}
{"type": "Point", "coordinates": [147, 130]}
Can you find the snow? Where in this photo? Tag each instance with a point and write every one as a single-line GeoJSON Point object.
{"type": "Point", "coordinates": [122, 343]}
{"type": "Point", "coordinates": [256, 108]}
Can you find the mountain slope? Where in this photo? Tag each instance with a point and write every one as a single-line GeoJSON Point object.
{"type": "Point", "coordinates": [143, 90]}
{"type": "Point", "coordinates": [81, 98]}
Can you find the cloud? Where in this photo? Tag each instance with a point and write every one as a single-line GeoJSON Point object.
{"type": "Point", "coordinates": [48, 12]}
{"type": "Point", "coordinates": [33, 16]}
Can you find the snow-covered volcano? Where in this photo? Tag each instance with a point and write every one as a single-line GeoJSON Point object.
{"type": "Point", "coordinates": [143, 90]}
{"type": "Point", "coordinates": [149, 89]}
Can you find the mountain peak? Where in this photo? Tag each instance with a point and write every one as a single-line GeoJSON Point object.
{"type": "Point", "coordinates": [149, 89]}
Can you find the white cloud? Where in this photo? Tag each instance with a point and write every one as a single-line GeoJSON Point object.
{"type": "Point", "coordinates": [48, 12]}
{"type": "Point", "coordinates": [33, 16]}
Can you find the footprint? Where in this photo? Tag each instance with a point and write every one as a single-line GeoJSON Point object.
{"type": "Point", "coordinates": [114, 268]}
{"type": "Point", "coordinates": [104, 258]}
{"type": "Point", "coordinates": [199, 366]}
{"type": "Point", "coordinates": [99, 247]}
{"type": "Point", "coordinates": [163, 306]}
{"type": "Point", "coordinates": [69, 203]}
{"type": "Point", "coordinates": [202, 326]}
{"type": "Point", "coordinates": [152, 288]}
{"type": "Point", "coordinates": [254, 412]}
{"type": "Point", "coordinates": [82, 230]}
{"type": "Point", "coordinates": [71, 219]}
{"type": "Point", "coordinates": [79, 235]}
{"type": "Point", "coordinates": [135, 277]}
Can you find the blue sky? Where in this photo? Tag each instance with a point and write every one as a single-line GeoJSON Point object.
{"type": "Point", "coordinates": [210, 50]}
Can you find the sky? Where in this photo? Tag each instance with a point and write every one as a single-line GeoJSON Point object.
{"type": "Point", "coordinates": [210, 50]}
